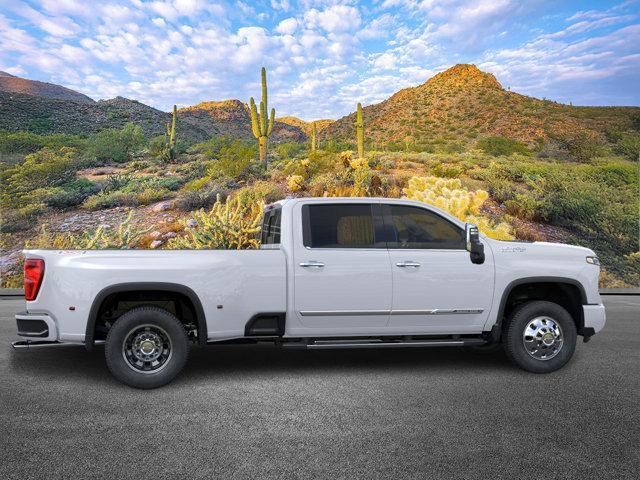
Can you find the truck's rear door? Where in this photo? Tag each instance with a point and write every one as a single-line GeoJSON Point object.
{"type": "Point", "coordinates": [342, 272]}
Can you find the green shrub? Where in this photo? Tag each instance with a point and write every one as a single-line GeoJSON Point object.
{"type": "Point", "coordinates": [447, 170]}
{"type": "Point", "coordinates": [498, 146]}
{"type": "Point", "coordinates": [116, 145]}
{"type": "Point", "coordinates": [40, 125]}
{"type": "Point", "coordinates": [582, 146]}
{"type": "Point", "coordinates": [43, 169]}
{"type": "Point", "coordinates": [109, 200]}
{"type": "Point", "coordinates": [629, 146]}
{"type": "Point", "coordinates": [234, 159]}
{"type": "Point", "coordinates": [70, 194]}
{"type": "Point", "coordinates": [189, 200]}
{"type": "Point", "coordinates": [28, 142]}
{"type": "Point", "coordinates": [523, 206]}
{"type": "Point", "coordinates": [211, 148]}
{"type": "Point", "coordinates": [120, 198]}
{"type": "Point", "coordinates": [289, 150]}
{"type": "Point", "coordinates": [157, 145]}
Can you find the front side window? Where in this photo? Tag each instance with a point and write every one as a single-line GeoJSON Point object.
{"type": "Point", "coordinates": [418, 228]}
{"type": "Point", "coordinates": [338, 226]}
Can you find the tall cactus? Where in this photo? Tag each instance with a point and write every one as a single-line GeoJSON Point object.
{"type": "Point", "coordinates": [171, 136]}
{"type": "Point", "coordinates": [360, 132]}
{"type": "Point", "coordinates": [260, 124]}
{"type": "Point", "coordinates": [314, 141]}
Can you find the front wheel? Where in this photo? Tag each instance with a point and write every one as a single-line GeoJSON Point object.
{"type": "Point", "coordinates": [540, 337]}
{"type": "Point", "coordinates": [146, 347]}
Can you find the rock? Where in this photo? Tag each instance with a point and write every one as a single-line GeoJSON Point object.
{"type": "Point", "coordinates": [163, 206]}
{"type": "Point", "coordinates": [170, 235]}
{"type": "Point", "coordinates": [192, 223]}
{"type": "Point", "coordinates": [155, 243]}
{"type": "Point", "coordinates": [155, 234]}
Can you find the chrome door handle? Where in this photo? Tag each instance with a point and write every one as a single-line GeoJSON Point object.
{"type": "Point", "coordinates": [312, 264]}
{"type": "Point", "coordinates": [407, 263]}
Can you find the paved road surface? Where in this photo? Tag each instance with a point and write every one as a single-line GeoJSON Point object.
{"type": "Point", "coordinates": [267, 413]}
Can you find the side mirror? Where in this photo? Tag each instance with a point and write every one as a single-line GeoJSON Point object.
{"type": "Point", "coordinates": [474, 246]}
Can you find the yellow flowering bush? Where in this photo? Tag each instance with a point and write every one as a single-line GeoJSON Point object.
{"type": "Point", "coordinates": [449, 195]}
{"type": "Point", "coordinates": [228, 225]}
{"type": "Point", "coordinates": [295, 183]}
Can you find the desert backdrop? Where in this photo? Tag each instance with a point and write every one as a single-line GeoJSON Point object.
{"type": "Point", "coordinates": [79, 173]}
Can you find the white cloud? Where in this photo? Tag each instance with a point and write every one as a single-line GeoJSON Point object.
{"type": "Point", "coordinates": [56, 26]}
{"type": "Point", "coordinates": [335, 19]}
{"type": "Point", "coordinates": [287, 26]}
{"type": "Point", "coordinates": [280, 5]}
{"type": "Point", "coordinates": [159, 22]}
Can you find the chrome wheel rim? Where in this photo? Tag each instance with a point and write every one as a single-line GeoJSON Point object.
{"type": "Point", "coordinates": [542, 338]}
{"type": "Point", "coordinates": [146, 349]}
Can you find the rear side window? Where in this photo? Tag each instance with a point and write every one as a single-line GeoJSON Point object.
{"type": "Point", "coordinates": [338, 226]}
{"type": "Point", "coordinates": [418, 228]}
{"type": "Point", "coordinates": [270, 233]}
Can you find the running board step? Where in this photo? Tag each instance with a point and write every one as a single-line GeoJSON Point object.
{"type": "Point", "coordinates": [42, 343]}
{"type": "Point", "coordinates": [332, 344]}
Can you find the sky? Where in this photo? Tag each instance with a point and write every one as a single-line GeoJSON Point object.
{"type": "Point", "coordinates": [322, 57]}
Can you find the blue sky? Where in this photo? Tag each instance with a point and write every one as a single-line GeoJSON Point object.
{"type": "Point", "coordinates": [322, 56]}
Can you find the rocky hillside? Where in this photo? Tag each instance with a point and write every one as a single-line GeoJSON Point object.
{"type": "Point", "coordinates": [305, 126]}
{"type": "Point", "coordinates": [20, 111]}
{"type": "Point", "coordinates": [12, 85]}
{"type": "Point", "coordinates": [46, 108]}
{"type": "Point", "coordinates": [464, 103]}
{"type": "Point", "coordinates": [232, 117]}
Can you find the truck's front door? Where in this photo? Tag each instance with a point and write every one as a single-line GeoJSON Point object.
{"type": "Point", "coordinates": [341, 268]}
{"type": "Point", "coordinates": [436, 287]}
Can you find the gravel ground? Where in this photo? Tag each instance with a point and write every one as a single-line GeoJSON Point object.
{"type": "Point", "coordinates": [260, 412]}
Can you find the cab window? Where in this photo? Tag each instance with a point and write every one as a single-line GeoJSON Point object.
{"type": "Point", "coordinates": [338, 226]}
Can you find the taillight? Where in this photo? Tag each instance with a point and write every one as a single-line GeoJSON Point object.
{"type": "Point", "coordinates": [33, 273]}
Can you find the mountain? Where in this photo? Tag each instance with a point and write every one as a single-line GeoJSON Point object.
{"type": "Point", "coordinates": [16, 85]}
{"type": "Point", "coordinates": [19, 111]}
{"type": "Point", "coordinates": [305, 126]}
{"type": "Point", "coordinates": [48, 108]}
{"type": "Point", "coordinates": [232, 118]}
{"type": "Point", "coordinates": [464, 103]}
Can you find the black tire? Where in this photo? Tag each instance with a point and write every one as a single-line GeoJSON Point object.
{"type": "Point", "coordinates": [543, 316]}
{"type": "Point", "coordinates": [167, 339]}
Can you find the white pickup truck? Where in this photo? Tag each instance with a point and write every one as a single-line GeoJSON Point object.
{"type": "Point", "coordinates": [331, 273]}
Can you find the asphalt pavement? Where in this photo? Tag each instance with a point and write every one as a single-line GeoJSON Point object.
{"type": "Point", "coordinates": [261, 412]}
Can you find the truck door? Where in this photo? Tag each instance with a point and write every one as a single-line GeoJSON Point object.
{"type": "Point", "coordinates": [341, 268]}
{"type": "Point", "coordinates": [436, 288]}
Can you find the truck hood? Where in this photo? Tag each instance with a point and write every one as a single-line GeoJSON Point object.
{"type": "Point", "coordinates": [542, 249]}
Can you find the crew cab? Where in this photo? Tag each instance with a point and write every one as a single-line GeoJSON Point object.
{"type": "Point", "coordinates": [330, 273]}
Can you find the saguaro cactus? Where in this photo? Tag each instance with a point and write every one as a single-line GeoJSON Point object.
{"type": "Point", "coordinates": [260, 124]}
{"type": "Point", "coordinates": [314, 138]}
{"type": "Point", "coordinates": [360, 132]}
{"type": "Point", "coordinates": [171, 136]}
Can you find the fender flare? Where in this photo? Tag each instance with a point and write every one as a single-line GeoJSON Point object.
{"type": "Point", "coordinates": [497, 326]}
{"type": "Point", "coordinates": [89, 337]}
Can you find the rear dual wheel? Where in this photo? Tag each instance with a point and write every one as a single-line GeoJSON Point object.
{"type": "Point", "coordinates": [146, 347]}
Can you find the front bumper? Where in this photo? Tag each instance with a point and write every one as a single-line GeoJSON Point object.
{"type": "Point", "coordinates": [594, 318]}
{"type": "Point", "coordinates": [37, 326]}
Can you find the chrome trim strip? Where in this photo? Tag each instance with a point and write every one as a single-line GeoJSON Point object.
{"type": "Point", "coordinates": [439, 311]}
{"type": "Point", "coordinates": [351, 313]}
{"type": "Point", "coordinates": [342, 313]}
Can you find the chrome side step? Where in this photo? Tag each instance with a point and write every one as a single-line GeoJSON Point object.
{"type": "Point", "coordinates": [337, 344]}
{"type": "Point", "coordinates": [42, 343]}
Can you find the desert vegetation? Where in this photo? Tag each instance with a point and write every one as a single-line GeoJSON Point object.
{"type": "Point", "coordinates": [128, 187]}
